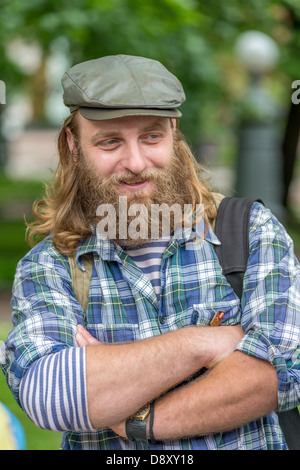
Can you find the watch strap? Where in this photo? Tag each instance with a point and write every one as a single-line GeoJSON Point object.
{"type": "Point", "coordinates": [151, 434]}
{"type": "Point", "coordinates": [136, 429]}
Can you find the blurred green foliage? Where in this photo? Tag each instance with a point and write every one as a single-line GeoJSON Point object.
{"type": "Point", "coordinates": [193, 38]}
{"type": "Point", "coordinates": [16, 198]}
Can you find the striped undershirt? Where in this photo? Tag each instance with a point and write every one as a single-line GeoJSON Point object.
{"type": "Point", "coordinates": [148, 258]}
{"type": "Point", "coordinates": [52, 392]}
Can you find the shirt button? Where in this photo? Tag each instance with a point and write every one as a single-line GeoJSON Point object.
{"type": "Point", "coordinates": [161, 319]}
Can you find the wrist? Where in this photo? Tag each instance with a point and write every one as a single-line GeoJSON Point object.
{"type": "Point", "coordinates": [139, 426]}
{"type": "Point", "coordinates": [201, 344]}
{"type": "Point", "coordinates": [218, 342]}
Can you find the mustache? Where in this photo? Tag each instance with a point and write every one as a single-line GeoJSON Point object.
{"type": "Point", "coordinates": [129, 177]}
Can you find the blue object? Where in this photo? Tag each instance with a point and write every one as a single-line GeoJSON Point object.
{"type": "Point", "coordinates": [11, 431]}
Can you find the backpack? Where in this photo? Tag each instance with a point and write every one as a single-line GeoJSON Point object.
{"type": "Point", "coordinates": [232, 229]}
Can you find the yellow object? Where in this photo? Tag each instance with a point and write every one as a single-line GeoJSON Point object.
{"type": "Point", "coordinates": [7, 440]}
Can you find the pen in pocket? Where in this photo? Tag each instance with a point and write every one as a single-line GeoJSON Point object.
{"type": "Point", "coordinates": [217, 318]}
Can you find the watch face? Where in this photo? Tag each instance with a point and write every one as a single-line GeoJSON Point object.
{"type": "Point", "coordinates": [142, 413]}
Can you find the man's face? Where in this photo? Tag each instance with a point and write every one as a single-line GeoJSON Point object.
{"type": "Point", "coordinates": [132, 157]}
{"type": "Point", "coordinates": [129, 147]}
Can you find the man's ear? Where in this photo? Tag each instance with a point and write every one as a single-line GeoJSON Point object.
{"type": "Point", "coordinates": [71, 143]}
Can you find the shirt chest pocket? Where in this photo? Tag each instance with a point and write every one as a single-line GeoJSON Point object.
{"type": "Point", "coordinates": [113, 332]}
{"type": "Point", "coordinates": [229, 312]}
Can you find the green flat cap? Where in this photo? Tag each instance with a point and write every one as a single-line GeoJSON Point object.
{"type": "Point", "coordinates": [122, 85]}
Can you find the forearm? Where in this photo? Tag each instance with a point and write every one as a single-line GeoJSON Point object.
{"type": "Point", "coordinates": [123, 377]}
{"type": "Point", "coordinates": [237, 391]}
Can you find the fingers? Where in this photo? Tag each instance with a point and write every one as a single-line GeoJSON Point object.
{"type": "Point", "coordinates": [84, 338]}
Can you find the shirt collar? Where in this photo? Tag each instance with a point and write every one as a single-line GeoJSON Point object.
{"type": "Point", "coordinates": [109, 251]}
{"type": "Point", "coordinates": [104, 249]}
{"type": "Point", "coordinates": [197, 233]}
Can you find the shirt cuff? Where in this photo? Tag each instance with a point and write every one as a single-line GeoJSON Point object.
{"type": "Point", "coordinates": [258, 345]}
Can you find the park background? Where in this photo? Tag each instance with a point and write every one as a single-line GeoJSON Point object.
{"type": "Point", "coordinates": [234, 91]}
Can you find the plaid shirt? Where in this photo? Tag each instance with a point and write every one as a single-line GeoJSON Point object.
{"type": "Point", "coordinates": [123, 307]}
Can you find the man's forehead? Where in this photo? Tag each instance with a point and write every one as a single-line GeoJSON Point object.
{"type": "Point", "coordinates": [141, 123]}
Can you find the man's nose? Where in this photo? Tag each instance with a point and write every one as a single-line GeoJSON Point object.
{"type": "Point", "coordinates": [134, 158]}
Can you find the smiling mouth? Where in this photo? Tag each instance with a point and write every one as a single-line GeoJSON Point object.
{"type": "Point", "coordinates": [137, 185]}
{"type": "Point", "coordinates": [134, 182]}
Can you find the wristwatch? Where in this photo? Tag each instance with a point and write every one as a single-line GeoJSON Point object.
{"type": "Point", "coordinates": [136, 425]}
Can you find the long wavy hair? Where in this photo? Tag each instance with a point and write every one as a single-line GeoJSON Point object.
{"type": "Point", "coordinates": [61, 213]}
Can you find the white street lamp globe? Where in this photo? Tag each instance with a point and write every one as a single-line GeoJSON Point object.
{"type": "Point", "coordinates": [258, 51]}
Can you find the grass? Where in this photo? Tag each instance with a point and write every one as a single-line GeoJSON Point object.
{"type": "Point", "coordinates": [12, 248]}
{"type": "Point", "coordinates": [16, 198]}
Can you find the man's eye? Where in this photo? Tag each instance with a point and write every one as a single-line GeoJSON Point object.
{"type": "Point", "coordinates": [152, 137]}
{"type": "Point", "coordinates": [108, 143]}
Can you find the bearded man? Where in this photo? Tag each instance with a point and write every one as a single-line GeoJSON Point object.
{"type": "Point", "coordinates": [141, 367]}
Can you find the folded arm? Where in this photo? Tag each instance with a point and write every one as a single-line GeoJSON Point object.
{"type": "Point", "coordinates": [86, 388]}
{"type": "Point", "coordinates": [123, 377]}
{"type": "Point", "coordinates": [238, 390]}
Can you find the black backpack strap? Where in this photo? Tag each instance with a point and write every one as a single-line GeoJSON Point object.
{"type": "Point", "coordinates": [290, 424]}
{"type": "Point", "coordinates": [232, 229]}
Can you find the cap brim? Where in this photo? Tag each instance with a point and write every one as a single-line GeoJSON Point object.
{"type": "Point", "coordinates": [100, 114]}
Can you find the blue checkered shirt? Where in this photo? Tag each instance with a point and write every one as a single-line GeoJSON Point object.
{"type": "Point", "coordinates": [124, 307]}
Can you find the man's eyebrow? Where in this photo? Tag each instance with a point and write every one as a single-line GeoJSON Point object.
{"type": "Point", "coordinates": [101, 134]}
{"type": "Point", "coordinates": [157, 126]}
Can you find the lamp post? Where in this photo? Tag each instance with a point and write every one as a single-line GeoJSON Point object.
{"type": "Point", "coordinates": [259, 172]}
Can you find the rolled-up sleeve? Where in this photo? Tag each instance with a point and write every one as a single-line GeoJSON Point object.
{"type": "Point", "coordinates": [271, 303]}
{"type": "Point", "coordinates": [45, 313]}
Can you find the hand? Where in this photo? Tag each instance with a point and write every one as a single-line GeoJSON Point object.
{"type": "Point", "coordinates": [84, 338]}
{"type": "Point", "coordinates": [120, 429]}
{"type": "Point", "coordinates": [223, 341]}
